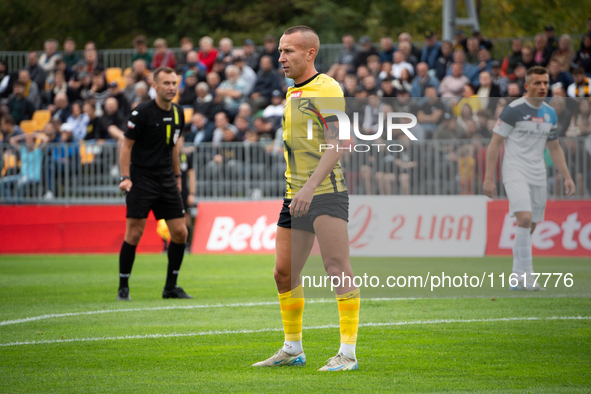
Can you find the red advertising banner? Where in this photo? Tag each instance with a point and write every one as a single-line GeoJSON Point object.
{"type": "Point", "coordinates": [565, 231]}
{"type": "Point", "coordinates": [236, 227]}
{"type": "Point", "coordinates": [69, 229]}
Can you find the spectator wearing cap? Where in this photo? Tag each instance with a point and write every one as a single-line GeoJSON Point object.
{"type": "Point", "coordinates": [422, 81]}
{"type": "Point", "coordinates": [388, 49]}
{"type": "Point", "coordinates": [558, 77]}
{"type": "Point", "coordinates": [267, 82]}
{"type": "Point", "coordinates": [564, 54]}
{"type": "Point", "coordinates": [271, 50]}
{"type": "Point", "coordinates": [251, 56]}
{"type": "Point", "coordinates": [36, 73]}
{"type": "Point", "coordinates": [140, 44]}
{"type": "Point", "coordinates": [552, 42]}
{"type": "Point", "coordinates": [232, 92]}
{"type": "Point", "coordinates": [226, 49]}
{"type": "Point", "coordinates": [542, 52]}
{"type": "Point", "coordinates": [366, 49]}
{"type": "Point", "coordinates": [122, 103]}
{"type": "Point", "coordinates": [207, 53]}
{"type": "Point", "coordinates": [69, 54]}
{"type": "Point", "coordinates": [247, 74]}
{"type": "Point", "coordinates": [31, 89]}
{"type": "Point", "coordinates": [444, 60]}
{"type": "Point", "coordinates": [431, 49]}
{"type": "Point", "coordinates": [18, 106]}
{"type": "Point", "coordinates": [498, 79]}
{"type": "Point", "coordinates": [512, 59]}
{"type": "Point", "coordinates": [581, 87]}
{"type": "Point", "coordinates": [452, 85]}
{"type": "Point", "coordinates": [163, 57]}
{"type": "Point", "coordinates": [583, 56]}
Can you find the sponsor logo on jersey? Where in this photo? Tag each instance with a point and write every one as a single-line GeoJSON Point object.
{"type": "Point", "coordinates": [167, 119]}
{"type": "Point", "coordinates": [296, 94]}
{"type": "Point", "coordinates": [537, 119]}
{"type": "Point", "coordinates": [130, 124]}
{"type": "Point", "coordinates": [526, 117]}
{"type": "Point", "coordinates": [134, 113]}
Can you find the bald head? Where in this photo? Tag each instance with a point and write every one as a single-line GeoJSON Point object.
{"type": "Point", "coordinates": [308, 37]}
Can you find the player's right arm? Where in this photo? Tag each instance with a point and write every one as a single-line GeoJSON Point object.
{"type": "Point", "coordinates": [489, 188]}
{"type": "Point", "coordinates": [124, 161]}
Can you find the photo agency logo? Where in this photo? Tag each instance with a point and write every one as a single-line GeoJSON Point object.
{"type": "Point", "coordinates": [394, 121]}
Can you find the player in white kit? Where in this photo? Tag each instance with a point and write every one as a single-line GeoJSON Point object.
{"type": "Point", "coordinates": [527, 125]}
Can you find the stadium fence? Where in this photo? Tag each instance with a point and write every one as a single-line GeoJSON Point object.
{"type": "Point", "coordinates": [88, 173]}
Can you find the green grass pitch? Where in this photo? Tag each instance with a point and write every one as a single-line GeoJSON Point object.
{"type": "Point", "coordinates": [61, 330]}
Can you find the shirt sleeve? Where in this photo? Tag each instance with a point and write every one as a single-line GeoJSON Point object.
{"type": "Point", "coordinates": [331, 97]}
{"type": "Point", "coordinates": [554, 129]}
{"type": "Point", "coordinates": [134, 125]}
{"type": "Point", "coordinates": [506, 122]}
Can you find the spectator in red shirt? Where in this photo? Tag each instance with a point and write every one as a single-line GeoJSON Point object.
{"type": "Point", "coordinates": [208, 53]}
{"type": "Point", "coordinates": [163, 57]}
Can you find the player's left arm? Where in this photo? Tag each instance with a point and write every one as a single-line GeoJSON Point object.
{"type": "Point", "coordinates": [557, 156]}
{"type": "Point", "coordinates": [303, 198]}
{"type": "Point", "coordinates": [176, 162]}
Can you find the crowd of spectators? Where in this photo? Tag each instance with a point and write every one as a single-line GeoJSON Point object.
{"type": "Point", "coordinates": [455, 88]}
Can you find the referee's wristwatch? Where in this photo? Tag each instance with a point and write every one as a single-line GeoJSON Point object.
{"type": "Point", "coordinates": [123, 178]}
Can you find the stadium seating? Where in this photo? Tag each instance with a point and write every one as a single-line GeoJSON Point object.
{"type": "Point", "coordinates": [10, 162]}
{"type": "Point", "coordinates": [29, 126]}
{"type": "Point", "coordinates": [188, 113]}
{"type": "Point", "coordinates": [113, 74]}
{"type": "Point", "coordinates": [41, 117]}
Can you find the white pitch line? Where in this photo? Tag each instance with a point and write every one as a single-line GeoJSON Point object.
{"type": "Point", "coordinates": [246, 304]}
{"type": "Point", "coordinates": [224, 332]}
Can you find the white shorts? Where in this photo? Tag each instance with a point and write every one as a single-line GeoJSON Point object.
{"type": "Point", "coordinates": [526, 198]}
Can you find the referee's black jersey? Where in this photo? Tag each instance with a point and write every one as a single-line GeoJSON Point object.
{"type": "Point", "coordinates": [155, 133]}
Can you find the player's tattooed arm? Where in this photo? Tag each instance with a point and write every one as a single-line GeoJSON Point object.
{"type": "Point", "coordinates": [331, 134]}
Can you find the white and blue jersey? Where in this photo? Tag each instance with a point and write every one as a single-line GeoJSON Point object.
{"type": "Point", "coordinates": [527, 129]}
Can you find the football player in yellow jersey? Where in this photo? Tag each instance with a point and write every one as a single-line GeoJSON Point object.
{"type": "Point", "coordinates": [316, 204]}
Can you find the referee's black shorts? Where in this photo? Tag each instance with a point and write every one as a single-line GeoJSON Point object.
{"type": "Point", "coordinates": [331, 204]}
{"type": "Point", "coordinates": [154, 190]}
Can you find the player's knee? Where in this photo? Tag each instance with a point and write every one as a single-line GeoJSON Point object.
{"type": "Point", "coordinates": [281, 275]}
{"type": "Point", "coordinates": [333, 266]}
{"type": "Point", "coordinates": [524, 219]}
{"type": "Point", "coordinates": [134, 234]}
{"type": "Point", "coordinates": [180, 235]}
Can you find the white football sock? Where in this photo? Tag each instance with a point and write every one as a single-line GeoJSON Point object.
{"type": "Point", "coordinates": [522, 253]}
{"type": "Point", "coordinates": [348, 350]}
{"type": "Point", "coordinates": [293, 347]}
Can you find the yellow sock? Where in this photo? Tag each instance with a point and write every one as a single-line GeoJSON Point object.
{"type": "Point", "coordinates": [292, 310]}
{"type": "Point", "coordinates": [349, 316]}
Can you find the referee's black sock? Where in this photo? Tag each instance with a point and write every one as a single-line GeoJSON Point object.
{"type": "Point", "coordinates": [175, 259]}
{"type": "Point", "coordinates": [126, 258]}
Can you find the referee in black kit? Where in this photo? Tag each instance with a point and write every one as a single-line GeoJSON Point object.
{"type": "Point", "coordinates": [150, 175]}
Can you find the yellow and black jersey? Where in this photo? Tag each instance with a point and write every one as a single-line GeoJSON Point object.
{"type": "Point", "coordinates": [305, 101]}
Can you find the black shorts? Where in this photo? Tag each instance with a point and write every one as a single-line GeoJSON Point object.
{"type": "Point", "coordinates": [331, 204]}
{"type": "Point", "coordinates": [154, 190]}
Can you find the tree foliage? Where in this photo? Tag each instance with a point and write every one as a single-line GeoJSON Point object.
{"type": "Point", "coordinates": [114, 23]}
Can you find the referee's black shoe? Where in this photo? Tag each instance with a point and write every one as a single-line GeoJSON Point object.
{"type": "Point", "coordinates": [177, 292]}
{"type": "Point", "coordinates": [123, 294]}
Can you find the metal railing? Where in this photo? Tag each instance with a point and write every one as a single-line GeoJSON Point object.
{"type": "Point", "coordinates": [88, 172]}
{"type": "Point", "coordinates": [327, 54]}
